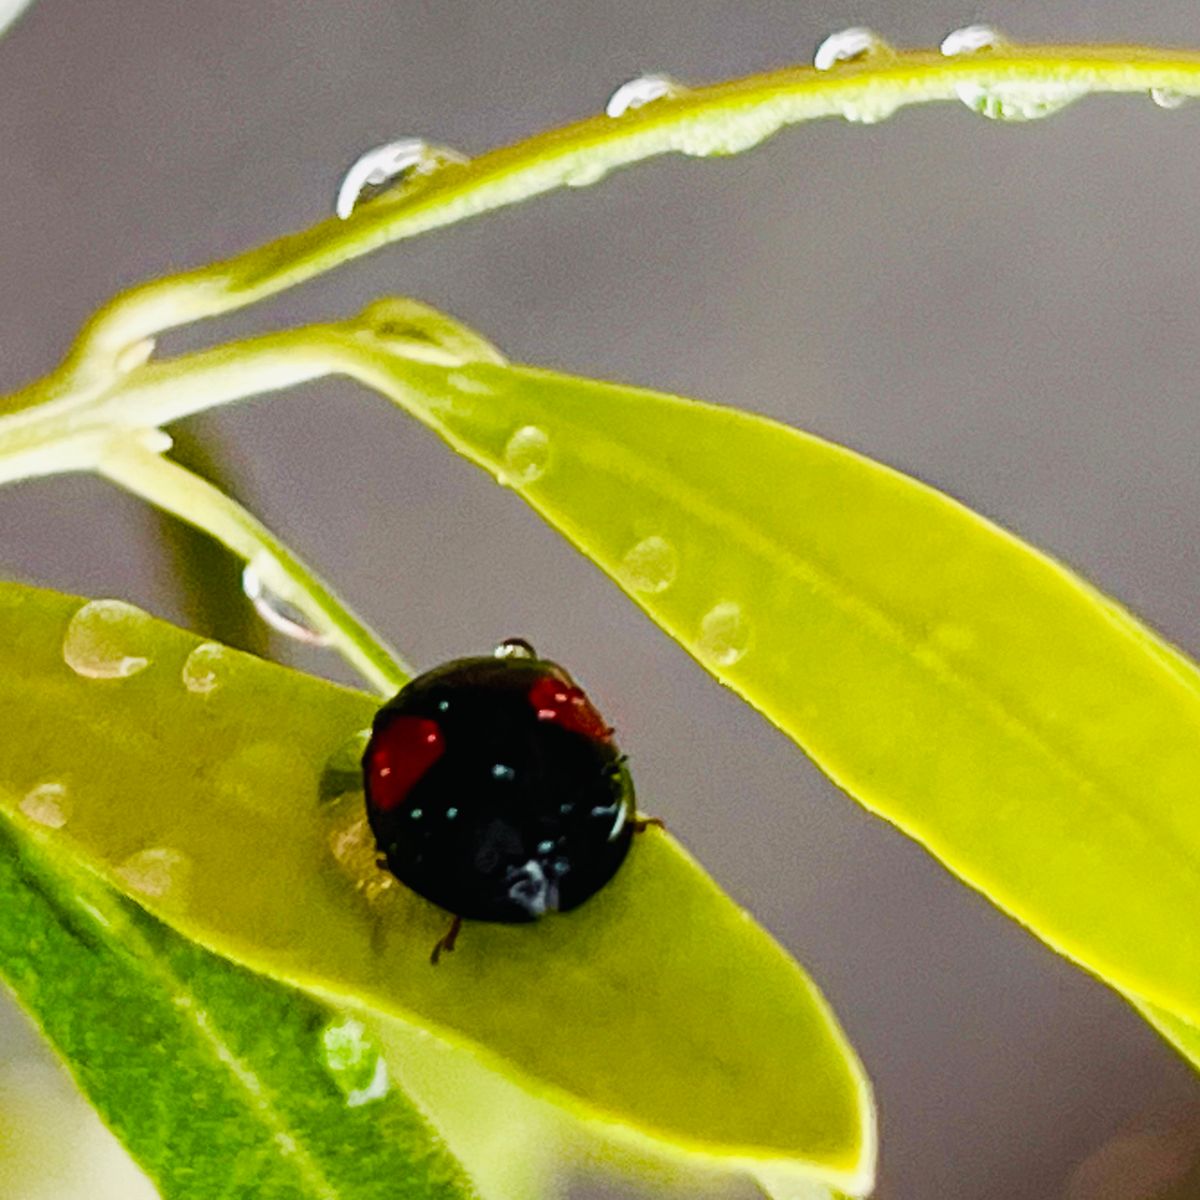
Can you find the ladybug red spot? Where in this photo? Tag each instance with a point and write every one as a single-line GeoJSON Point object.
{"type": "Point", "coordinates": [566, 705]}
{"type": "Point", "coordinates": [400, 756]}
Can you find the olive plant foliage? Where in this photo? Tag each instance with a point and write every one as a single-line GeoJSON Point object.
{"type": "Point", "coordinates": [249, 1026]}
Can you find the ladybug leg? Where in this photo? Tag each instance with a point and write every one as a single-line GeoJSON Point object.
{"type": "Point", "coordinates": [641, 824]}
{"type": "Point", "coordinates": [447, 940]}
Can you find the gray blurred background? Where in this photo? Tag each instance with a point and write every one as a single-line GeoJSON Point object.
{"type": "Point", "coordinates": [1009, 313]}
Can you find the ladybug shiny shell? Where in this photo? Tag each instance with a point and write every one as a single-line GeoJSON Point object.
{"type": "Point", "coordinates": [495, 789]}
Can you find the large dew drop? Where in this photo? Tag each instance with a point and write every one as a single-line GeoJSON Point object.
{"type": "Point", "coordinates": [354, 1062]}
{"type": "Point", "coordinates": [1166, 98]}
{"type": "Point", "coordinates": [202, 670]}
{"type": "Point", "coordinates": [651, 565]}
{"type": "Point", "coordinates": [525, 456]}
{"type": "Point", "coordinates": [637, 93]}
{"type": "Point", "coordinates": [1017, 100]}
{"type": "Point", "coordinates": [157, 872]}
{"type": "Point", "coordinates": [971, 39]}
{"type": "Point", "coordinates": [724, 634]}
{"type": "Point", "coordinates": [47, 804]}
{"type": "Point", "coordinates": [849, 45]}
{"type": "Point", "coordinates": [106, 639]}
{"type": "Point", "coordinates": [277, 612]}
{"type": "Point", "coordinates": [390, 166]}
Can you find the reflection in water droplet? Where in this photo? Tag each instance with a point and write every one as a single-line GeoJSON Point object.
{"type": "Point", "coordinates": [47, 804]}
{"type": "Point", "coordinates": [1166, 98]}
{"type": "Point", "coordinates": [102, 640]}
{"type": "Point", "coordinates": [354, 1062]}
{"type": "Point", "coordinates": [637, 93]}
{"type": "Point", "coordinates": [1017, 100]}
{"type": "Point", "coordinates": [724, 633]}
{"type": "Point", "coordinates": [202, 670]}
{"type": "Point", "coordinates": [279, 613]}
{"type": "Point", "coordinates": [849, 45]}
{"type": "Point", "coordinates": [971, 39]}
{"type": "Point", "coordinates": [390, 166]}
{"type": "Point", "coordinates": [157, 872]}
{"type": "Point", "coordinates": [525, 455]}
{"type": "Point", "coordinates": [651, 565]}
{"type": "Point", "coordinates": [343, 772]}
{"type": "Point", "coordinates": [515, 648]}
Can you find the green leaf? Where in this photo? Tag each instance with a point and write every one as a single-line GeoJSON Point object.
{"type": "Point", "coordinates": [658, 1007]}
{"type": "Point", "coordinates": [219, 1082]}
{"type": "Point", "coordinates": [1033, 735]}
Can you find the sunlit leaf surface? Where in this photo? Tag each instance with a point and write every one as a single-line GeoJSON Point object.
{"type": "Point", "coordinates": [219, 790]}
{"type": "Point", "coordinates": [1038, 739]}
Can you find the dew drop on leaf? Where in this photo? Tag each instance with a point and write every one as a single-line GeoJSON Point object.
{"type": "Point", "coordinates": [354, 1062]}
{"type": "Point", "coordinates": [1166, 98]}
{"type": "Point", "coordinates": [971, 39]}
{"type": "Point", "coordinates": [202, 669]}
{"type": "Point", "coordinates": [158, 872]}
{"type": "Point", "coordinates": [48, 804]}
{"type": "Point", "coordinates": [277, 612]}
{"type": "Point", "coordinates": [525, 455]}
{"type": "Point", "coordinates": [637, 93]}
{"type": "Point", "coordinates": [849, 45]}
{"type": "Point", "coordinates": [1017, 99]}
{"type": "Point", "coordinates": [651, 565]}
{"type": "Point", "coordinates": [515, 648]}
{"type": "Point", "coordinates": [724, 633]}
{"type": "Point", "coordinates": [390, 166]}
{"type": "Point", "coordinates": [103, 638]}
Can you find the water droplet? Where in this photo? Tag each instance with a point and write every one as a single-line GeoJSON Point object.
{"type": "Point", "coordinates": [278, 612]}
{"type": "Point", "coordinates": [709, 137]}
{"type": "Point", "coordinates": [849, 45]}
{"type": "Point", "coordinates": [515, 648]}
{"type": "Point", "coordinates": [525, 456]}
{"type": "Point", "coordinates": [971, 39]}
{"type": "Point", "coordinates": [102, 639]}
{"type": "Point", "coordinates": [1166, 98]}
{"type": "Point", "coordinates": [390, 166]}
{"type": "Point", "coordinates": [156, 872]}
{"type": "Point", "coordinates": [47, 804]}
{"type": "Point", "coordinates": [202, 670]}
{"type": "Point", "coordinates": [1017, 100]}
{"type": "Point", "coordinates": [651, 565]}
{"type": "Point", "coordinates": [354, 1062]}
{"type": "Point", "coordinates": [724, 633]}
{"type": "Point", "coordinates": [131, 357]}
{"type": "Point", "coordinates": [637, 93]}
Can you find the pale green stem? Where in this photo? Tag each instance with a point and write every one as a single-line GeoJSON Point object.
{"type": "Point", "coordinates": [718, 120]}
{"type": "Point", "coordinates": [174, 489]}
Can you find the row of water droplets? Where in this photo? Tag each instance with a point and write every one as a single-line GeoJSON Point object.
{"type": "Point", "coordinates": [408, 160]}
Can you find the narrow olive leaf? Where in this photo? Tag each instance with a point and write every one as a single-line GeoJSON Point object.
{"type": "Point", "coordinates": [1183, 1035]}
{"type": "Point", "coordinates": [1036, 738]}
{"type": "Point", "coordinates": [219, 1082]}
{"type": "Point", "coordinates": [220, 790]}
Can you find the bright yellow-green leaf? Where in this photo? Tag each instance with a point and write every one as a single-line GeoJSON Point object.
{"type": "Point", "coordinates": [956, 681]}
{"type": "Point", "coordinates": [191, 777]}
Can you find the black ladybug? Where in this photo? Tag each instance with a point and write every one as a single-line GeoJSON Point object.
{"type": "Point", "coordinates": [495, 789]}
